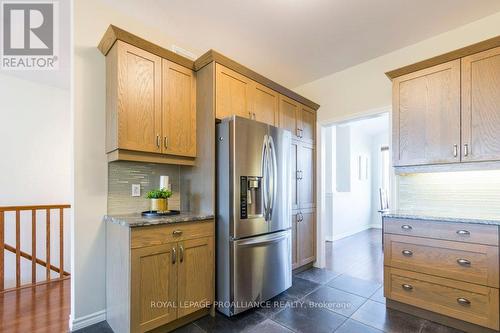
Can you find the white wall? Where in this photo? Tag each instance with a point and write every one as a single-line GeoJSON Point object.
{"type": "Point", "coordinates": [364, 87]}
{"type": "Point", "coordinates": [91, 19]}
{"type": "Point", "coordinates": [35, 131]}
{"type": "Point", "coordinates": [350, 211]}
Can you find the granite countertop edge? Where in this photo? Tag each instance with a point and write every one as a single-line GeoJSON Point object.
{"type": "Point", "coordinates": [136, 220]}
{"type": "Point", "coordinates": [441, 218]}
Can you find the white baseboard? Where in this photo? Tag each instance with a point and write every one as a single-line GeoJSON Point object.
{"type": "Point", "coordinates": [91, 319]}
{"type": "Point", "coordinates": [352, 232]}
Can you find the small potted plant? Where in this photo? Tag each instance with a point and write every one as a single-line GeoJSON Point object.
{"type": "Point", "coordinates": [159, 199]}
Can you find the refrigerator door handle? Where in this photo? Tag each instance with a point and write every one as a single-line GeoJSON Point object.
{"type": "Point", "coordinates": [273, 177]}
{"type": "Point", "coordinates": [264, 166]}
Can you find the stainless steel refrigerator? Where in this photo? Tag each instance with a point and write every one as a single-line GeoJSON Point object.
{"type": "Point", "coordinates": [253, 213]}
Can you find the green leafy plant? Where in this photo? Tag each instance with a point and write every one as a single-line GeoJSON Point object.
{"type": "Point", "coordinates": [159, 194]}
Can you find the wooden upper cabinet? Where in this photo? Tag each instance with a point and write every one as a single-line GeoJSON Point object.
{"type": "Point", "coordinates": [179, 110]}
{"type": "Point", "coordinates": [426, 116]}
{"type": "Point", "coordinates": [154, 278]}
{"type": "Point", "coordinates": [294, 173]}
{"type": "Point", "coordinates": [150, 108]}
{"type": "Point", "coordinates": [306, 185]}
{"type": "Point", "coordinates": [265, 104]}
{"type": "Point", "coordinates": [481, 106]}
{"type": "Point", "coordinates": [289, 114]}
{"type": "Point", "coordinates": [232, 93]}
{"type": "Point", "coordinates": [307, 128]}
{"type": "Point", "coordinates": [134, 87]}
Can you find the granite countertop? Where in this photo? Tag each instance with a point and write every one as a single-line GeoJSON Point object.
{"type": "Point", "coordinates": [136, 220]}
{"type": "Point", "coordinates": [443, 216]}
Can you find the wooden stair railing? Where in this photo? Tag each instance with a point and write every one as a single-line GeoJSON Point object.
{"type": "Point", "coordinates": [33, 257]}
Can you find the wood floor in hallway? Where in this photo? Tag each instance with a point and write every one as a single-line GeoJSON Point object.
{"type": "Point", "coordinates": [40, 309]}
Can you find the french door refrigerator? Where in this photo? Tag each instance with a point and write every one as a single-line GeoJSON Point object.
{"type": "Point", "coordinates": [253, 213]}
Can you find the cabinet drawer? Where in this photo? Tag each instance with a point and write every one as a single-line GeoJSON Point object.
{"type": "Point", "coordinates": [462, 232]}
{"type": "Point", "coordinates": [465, 301]}
{"type": "Point", "coordinates": [162, 234]}
{"type": "Point", "coordinates": [467, 262]}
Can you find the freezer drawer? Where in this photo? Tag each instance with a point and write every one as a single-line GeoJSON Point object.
{"type": "Point", "coordinates": [262, 268]}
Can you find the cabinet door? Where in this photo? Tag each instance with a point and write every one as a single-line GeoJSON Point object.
{"type": "Point", "coordinates": [139, 105]}
{"type": "Point", "coordinates": [266, 103]}
{"type": "Point", "coordinates": [153, 287]}
{"type": "Point", "coordinates": [289, 114]}
{"type": "Point", "coordinates": [306, 237]}
{"type": "Point", "coordinates": [307, 129]}
{"type": "Point", "coordinates": [306, 185]}
{"type": "Point", "coordinates": [233, 93]}
{"type": "Point", "coordinates": [196, 274]}
{"type": "Point", "coordinates": [295, 257]}
{"type": "Point", "coordinates": [179, 110]}
{"type": "Point", "coordinates": [426, 116]}
{"type": "Point", "coordinates": [481, 106]}
{"type": "Point", "coordinates": [294, 174]}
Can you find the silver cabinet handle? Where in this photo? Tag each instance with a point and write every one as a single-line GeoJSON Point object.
{"type": "Point", "coordinates": [158, 139]}
{"type": "Point", "coordinates": [455, 150]}
{"type": "Point", "coordinates": [181, 253]}
{"type": "Point", "coordinates": [250, 115]}
{"type": "Point", "coordinates": [466, 149]}
{"type": "Point", "coordinates": [463, 232]}
{"type": "Point", "coordinates": [407, 287]}
{"type": "Point", "coordinates": [177, 232]}
{"type": "Point", "coordinates": [463, 301]}
{"type": "Point", "coordinates": [300, 217]}
{"type": "Point", "coordinates": [174, 256]}
{"type": "Point", "coordinates": [406, 227]}
{"type": "Point", "coordinates": [463, 262]}
{"type": "Point", "coordinates": [407, 253]}
{"type": "Point", "coordinates": [165, 142]}
{"type": "Point", "coordinates": [254, 117]}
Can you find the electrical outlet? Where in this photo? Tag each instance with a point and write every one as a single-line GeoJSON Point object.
{"type": "Point", "coordinates": [136, 190]}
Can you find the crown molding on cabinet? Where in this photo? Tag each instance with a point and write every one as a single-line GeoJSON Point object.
{"type": "Point", "coordinates": [456, 54]}
{"type": "Point", "coordinates": [219, 58]}
{"type": "Point", "coordinates": [113, 33]}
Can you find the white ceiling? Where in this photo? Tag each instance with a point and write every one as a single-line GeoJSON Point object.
{"type": "Point", "coordinates": [371, 126]}
{"type": "Point", "coordinates": [296, 41]}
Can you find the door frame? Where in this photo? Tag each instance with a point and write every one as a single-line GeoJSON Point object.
{"type": "Point", "coordinates": [320, 172]}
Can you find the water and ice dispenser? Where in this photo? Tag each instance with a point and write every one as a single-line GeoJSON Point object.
{"type": "Point", "coordinates": [251, 201]}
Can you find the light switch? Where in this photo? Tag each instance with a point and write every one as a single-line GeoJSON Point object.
{"type": "Point", "coordinates": [136, 190]}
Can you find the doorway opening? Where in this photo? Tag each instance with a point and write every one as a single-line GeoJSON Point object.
{"type": "Point", "coordinates": [357, 185]}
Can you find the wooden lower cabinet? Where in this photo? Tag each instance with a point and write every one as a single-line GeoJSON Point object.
{"type": "Point", "coordinates": [159, 276]}
{"type": "Point", "coordinates": [153, 287]}
{"type": "Point", "coordinates": [465, 301]}
{"type": "Point", "coordinates": [303, 237]}
{"type": "Point", "coordinates": [195, 275]}
{"type": "Point", "coordinates": [445, 269]}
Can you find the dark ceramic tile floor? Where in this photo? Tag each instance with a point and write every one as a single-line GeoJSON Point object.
{"type": "Point", "coordinates": [345, 299]}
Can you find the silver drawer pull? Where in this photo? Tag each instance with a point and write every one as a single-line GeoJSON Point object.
{"type": "Point", "coordinates": [407, 287]}
{"type": "Point", "coordinates": [407, 253]}
{"type": "Point", "coordinates": [177, 232]}
{"type": "Point", "coordinates": [463, 262]}
{"type": "Point", "coordinates": [406, 227]}
{"type": "Point", "coordinates": [463, 232]}
{"type": "Point", "coordinates": [463, 301]}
